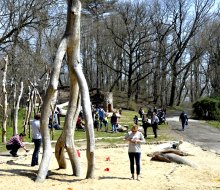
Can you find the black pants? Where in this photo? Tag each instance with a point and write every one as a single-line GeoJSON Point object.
{"type": "Point", "coordinates": [145, 126]}
{"type": "Point", "coordinates": [37, 144]}
{"type": "Point", "coordinates": [14, 148]}
{"type": "Point", "coordinates": [135, 156]}
{"type": "Point", "coordinates": [183, 124]}
{"type": "Point", "coordinates": [155, 126]}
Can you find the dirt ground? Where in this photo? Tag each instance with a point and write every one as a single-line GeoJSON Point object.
{"type": "Point", "coordinates": [17, 174]}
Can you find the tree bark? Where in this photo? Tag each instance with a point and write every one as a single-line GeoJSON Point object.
{"type": "Point", "coordinates": [173, 85]}
{"type": "Point", "coordinates": [73, 54]}
{"type": "Point", "coordinates": [66, 139]}
{"type": "Point", "coordinates": [28, 111]}
{"type": "Point", "coordinates": [45, 112]}
{"type": "Point", "coordinates": [70, 44]}
{"type": "Point", "coordinates": [5, 101]}
{"type": "Point", "coordinates": [16, 109]}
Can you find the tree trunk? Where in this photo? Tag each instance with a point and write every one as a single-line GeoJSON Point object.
{"type": "Point", "coordinates": [66, 139]}
{"type": "Point", "coordinates": [5, 101]}
{"type": "Point", "coordinates": [156, 77]}
{"type": "Point", "coordinates": [70, 44]}
{"type": "Point", "coordinates": [73, 54]}
{"type": "Point", "coordinates": [28, 111]}
{"type": "Point", "coordinates": [183, 83]}
{"type": "Point", "coordinates": [45, 112]}
{"type": "Point", "coordinates": [90, 151]}
{"type": "Point", "coordinates": [173, 85]}
{"type": "Point", "coordinates": [163, 86]}
{"type": "Point", "coordinates": [16, 109]}
{"type": "Point", "coordinates": [130, 79]}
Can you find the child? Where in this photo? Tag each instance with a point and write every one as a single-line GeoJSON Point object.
{"type": "Point", "coordinates": [96, 121]}
{"type": "Point", "coordinates": [176, 145]}
{"type": "Point", "coordinates": [136, 120]}
{"type": "Point", "coordinates": [105, 121]}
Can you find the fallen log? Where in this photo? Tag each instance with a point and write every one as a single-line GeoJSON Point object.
{"type": "Point", "coordinates": [171, 155]}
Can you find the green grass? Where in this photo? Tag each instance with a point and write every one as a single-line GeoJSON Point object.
{"type": "Point", "coordinates": [103, 137]}
{"type": "Point", "coordinates": [214, 124]}
{"type": "Point", "coordinates": [127, 118]}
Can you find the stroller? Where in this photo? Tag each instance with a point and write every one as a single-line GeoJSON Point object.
{"type": "Point", "coordinates": [161, 116]}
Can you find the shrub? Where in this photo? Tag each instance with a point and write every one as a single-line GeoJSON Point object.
{"type": "Point", "coordinates": [131, 105]}
{"type": "Point", "coordinates": [207, 108]}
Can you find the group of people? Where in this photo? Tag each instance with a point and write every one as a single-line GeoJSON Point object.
{"type": "Point", "coordinates": [156, 117]}
{"type": "Point", "coordinates": [146, 122]}
{"type": "Point", "coordinates": [16, 141]}
{"type": "Point", "coordinates": [101, 119]}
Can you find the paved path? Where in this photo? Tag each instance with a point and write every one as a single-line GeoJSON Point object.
{"type": "Point", "coordinates": [198, 133]}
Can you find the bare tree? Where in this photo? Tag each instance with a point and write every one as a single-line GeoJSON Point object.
{"type": "Point", "coordinates": [185, 25]}
{"type": "Point", "coordinates": [70, 44]}
{"type": "Point", "coordinates": [162, 27]}
{"type": "Point", "coordinates": [213, 53]}
{"type": "Point", "coordinates": [16, 108]}
{"type": "Point", "coordinates": [5, 101]}
{"type": "Point", "coordinates": [130, 32]}
{"type": "Point", "coordinates": [96, 10]}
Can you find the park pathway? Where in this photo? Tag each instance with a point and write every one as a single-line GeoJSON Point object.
{"type": "Point", "coordinates": [198, 133]}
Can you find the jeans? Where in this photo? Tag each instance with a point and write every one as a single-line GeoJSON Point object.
{"type": "Point", "coordinates": [114, 127]}
{"type": "Point", "coordinates": [100, 122]}
{"type": "Point", "coordinates": [137, 157]}
{"type": "Point", "coordinates": [37, 144]}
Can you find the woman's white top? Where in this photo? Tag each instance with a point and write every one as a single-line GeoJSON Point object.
{"type": "Point", "coordinates": [134, 146]}
{"type": "Point", "coordinates": [36, 129]}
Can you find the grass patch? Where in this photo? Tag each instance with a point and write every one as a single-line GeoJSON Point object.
{"type": "Point", "coordinates": [102, 137]}
{"type": "Point", "coordinates": [215, 124]}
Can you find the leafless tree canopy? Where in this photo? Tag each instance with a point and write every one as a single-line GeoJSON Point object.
{"type": "Point", "coordinates": [159, 50]}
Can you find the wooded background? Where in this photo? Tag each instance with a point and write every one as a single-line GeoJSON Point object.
{"type": "Point", "coordinates": [164, 51]}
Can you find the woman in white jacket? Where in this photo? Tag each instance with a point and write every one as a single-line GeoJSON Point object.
{"type": "Point", "coordinates": [134, 138]}
{"type": "Point", "coordinates": [36, 138]}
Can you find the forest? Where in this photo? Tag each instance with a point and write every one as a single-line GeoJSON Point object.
{"type": "Point", "coordinates": [165, 51]}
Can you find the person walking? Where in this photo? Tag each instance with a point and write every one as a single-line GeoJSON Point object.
{"type": "Point", "coordinates": [101, 117]}
{"type": "Point", "coordinates": [114, 122]}
{"type": "Point", "coordinates": [184, 119]}
{"type": "Point", "coordinates": [36, 138]}
{"type": "Point", "coordinates": [15, 143]}
{"type": "Point", "coordinates": [154, 123]}
{"type": "Point", "coordinates": [145, 124]}
{"type": "Point", "coordinates": [141, 112]}
{"type": "Point", "coordinates": [134, 138]}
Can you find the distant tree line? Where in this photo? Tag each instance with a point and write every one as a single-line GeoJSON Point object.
{"type": "Point", "coordinates": [162, 51]}
{"type": "Point", "coordinates": [207, 108]}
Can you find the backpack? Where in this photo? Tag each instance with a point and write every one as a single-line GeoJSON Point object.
{"type": "Point", "coordinates": [156, 119]}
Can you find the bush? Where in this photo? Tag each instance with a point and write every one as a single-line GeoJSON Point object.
{"type": "Point", "coordinates": [131, 105]}
{"type": "Point", "coordinates": [207, 108]}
